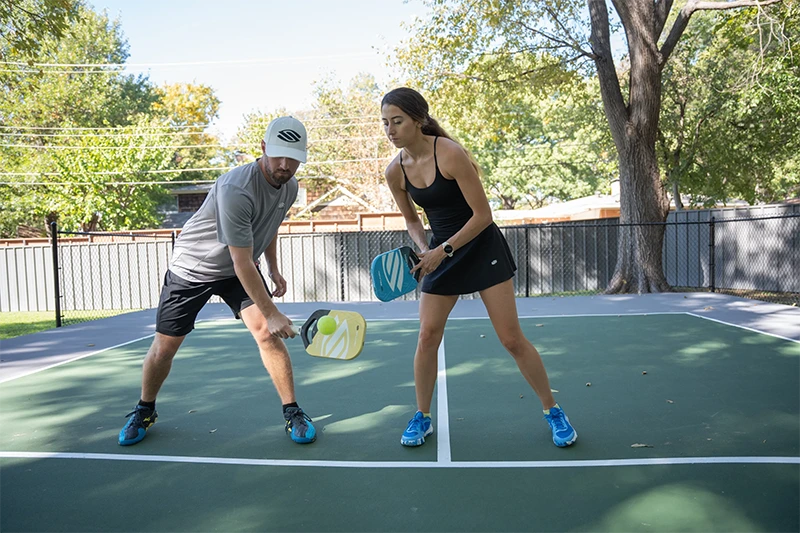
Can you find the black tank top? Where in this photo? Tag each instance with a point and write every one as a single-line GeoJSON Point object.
{"type": "Point", "coordinates": [443, 202]}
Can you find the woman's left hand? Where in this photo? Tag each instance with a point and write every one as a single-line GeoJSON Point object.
{"type": "Point", "coordinates": [429, 261]}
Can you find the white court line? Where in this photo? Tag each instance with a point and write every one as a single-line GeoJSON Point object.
{"type": "Point", "coordinates": [72, 360]}
{"type": "Point", "coordinates": [79, 357]}
{"type": "Point", "coordinates": [657, 461]}
{"type": "Point", "coordinates": [744, 327]}
{"type": "Point", "coordinates": [442, 411]}
{"type": "Point", "coordinates": [578, 315]}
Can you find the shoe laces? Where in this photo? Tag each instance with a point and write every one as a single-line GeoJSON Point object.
{"type": "Point", "coordinates": [557, 420]}
{"type": "Point", "coordinates": [297, 418]}
{"type": "Point", "coordinates": [138, 416]}
{"type": "Point", "coordinates": [415, 424]}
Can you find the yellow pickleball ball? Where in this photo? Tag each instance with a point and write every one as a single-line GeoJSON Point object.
{"type": "Point", "coordinates": [326, 325]}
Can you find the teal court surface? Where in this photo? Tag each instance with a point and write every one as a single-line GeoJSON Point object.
{"type": "Point", "coordinates": [687, 409]}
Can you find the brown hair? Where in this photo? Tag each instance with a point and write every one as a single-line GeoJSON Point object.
{"type": "Point", "coordinates": [414, 105]}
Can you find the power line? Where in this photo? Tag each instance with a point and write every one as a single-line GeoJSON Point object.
{"type": "Point", "coordinates": [75, 183]}
{"type": "Point", "coordinates": [264, 120]}
{"type": "Point", "coordinates": [106, 128]}
{"type": "Point", "coordinates": [375, 122]}
{"type": "Point", "coordinates": [26, 183]}
{"type": "Point", "coordinates": [178, 170]}
{"type": "Point", "coordinates": [116, 172]}
{"type": "Point", "coordinates": [56, 147]}
{"type": "Point", "coordinates": [189, 63]}
{"type": "Point", "coordinates": [172, 147]}
{"type": "Point", "coordinates": [170, 133]}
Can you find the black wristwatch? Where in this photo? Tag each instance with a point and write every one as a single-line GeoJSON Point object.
{"type": "Point", "coordinates": [448, 249]}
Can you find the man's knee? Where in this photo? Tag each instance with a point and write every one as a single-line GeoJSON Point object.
{"type": "Point", "coordinates": [165, 347]}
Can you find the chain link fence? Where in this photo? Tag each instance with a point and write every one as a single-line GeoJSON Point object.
{"type": "Point", "coordinates": [100, 274]}
{"type": "Point", "coordinates": [104, 274]}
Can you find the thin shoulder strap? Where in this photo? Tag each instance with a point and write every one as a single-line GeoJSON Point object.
{"type": "Point", "coordinates": [401, 165]}
{"type": "Point", "coordinates": [435, 162]}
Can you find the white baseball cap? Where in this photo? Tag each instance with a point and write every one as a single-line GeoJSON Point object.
{"type": "Point", "coordinates": [286, 137]}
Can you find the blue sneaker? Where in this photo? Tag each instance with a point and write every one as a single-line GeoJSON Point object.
{"type": "Point", "coordinates": [563, 432]}
{"type": "Point", "coordinates": [298, 426]}
{"type": "Point", "coordinates": [418, 428]}
{"type": "Point", "coordinates": [137, 425]}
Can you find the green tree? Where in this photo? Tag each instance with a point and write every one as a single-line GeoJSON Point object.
{"type": "Point", "coordinates": [348, 141]}
{"type": "Point", "coordinates": [191, 108]}
{"type": "Point", "coordinates": [533, 146]}
{"type": "Point", "coordinates": [59, 119]}
{"type": "Point", "coordinates": [27, 23]}
{"type": "Point", "coordinates": [730, 123]}
{"type": "Point", "coordinates": [458, 33]}
{"type": "Point", "coordinates": [347, 145]}
{"type": "Point", "coordinates": [108, 183]}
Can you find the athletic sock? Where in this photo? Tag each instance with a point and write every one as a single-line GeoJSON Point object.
{"type": "Point", "coordinates": [426, 414]}
{"type": "Point", "coordinates": [547, 411]}
{"type": "Point", "coordinates": [149, 405]}
{"type": "Point", "coordinates": [288, 405]}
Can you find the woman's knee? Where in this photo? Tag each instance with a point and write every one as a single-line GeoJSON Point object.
{"type": "Point", "coordinates": [429, 338]}
{"type": "Point", "coordinates": [514, 342]}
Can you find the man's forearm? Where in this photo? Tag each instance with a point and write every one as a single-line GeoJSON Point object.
{"type": "Point", "coordinates": [271, 255]}
{"type": "Point", "coordinates": [254, 286]}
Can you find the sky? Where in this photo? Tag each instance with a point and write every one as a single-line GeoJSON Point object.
{"type": "Point", "coordinates": [260, 55]}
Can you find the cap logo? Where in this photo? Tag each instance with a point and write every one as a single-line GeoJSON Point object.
{"type": "Point", "coordinates": [289, 136]}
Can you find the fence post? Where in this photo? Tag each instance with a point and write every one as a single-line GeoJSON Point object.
{"type": "Point", "coordinates": [527, 262]}
{"type": "Point", "coordinates": [342, 261]}
{"type": "Point", "coordinates": [712, 255]}
{"type": "Point", "coordinates": [56, 284]}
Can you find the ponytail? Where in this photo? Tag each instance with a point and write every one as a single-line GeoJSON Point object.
{"type": "Point", "coordinates": [432, 127]}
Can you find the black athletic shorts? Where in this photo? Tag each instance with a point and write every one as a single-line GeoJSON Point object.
{"type": "Point", "coordinates": [181, 301]}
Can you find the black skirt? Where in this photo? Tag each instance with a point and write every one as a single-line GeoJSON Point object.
{"type": "Point", "coordinates": [483, 262]}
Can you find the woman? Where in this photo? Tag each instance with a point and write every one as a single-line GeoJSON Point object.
{"type": "Point", "coordinates": [466, 254]}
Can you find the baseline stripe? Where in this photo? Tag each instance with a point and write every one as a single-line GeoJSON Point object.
{"type": "Point", "coordinates": [657, 461]}
{"type": "Point", "coordinates": [743, 327]}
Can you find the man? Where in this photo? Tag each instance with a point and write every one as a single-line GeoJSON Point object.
{"type": "Point", "coordinates": [216, 254]}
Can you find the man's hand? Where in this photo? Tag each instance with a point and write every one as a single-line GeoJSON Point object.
{"type": "Point", "coordinates": [280, 283]}
{"type": "Point", "coordinates": [280, 326]}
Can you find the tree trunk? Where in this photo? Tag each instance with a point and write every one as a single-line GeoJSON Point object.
{"type": "Point", "coordinates": [634, 127]}
{"type": "Point", "coordinates": [91, 224]}
{"type": "Point", "coordinates": [676, 194]}
{"type": "Point", "coordinates": [639, 266]}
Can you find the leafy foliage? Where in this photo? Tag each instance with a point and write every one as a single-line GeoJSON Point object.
{"type": "Point", "coordinates": [730, 121]}
{"type": "Point", "coordinates": [533, 122]}
{"type": "Point", "coordinates": [347, 145]}
{"type": "Point", "coordinates": [82, 144]}
{"type": "Point", "coordinates": [27, 23]}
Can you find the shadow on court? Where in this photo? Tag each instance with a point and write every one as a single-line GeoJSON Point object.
{"type": "Point", "coordinates": [218, 460]}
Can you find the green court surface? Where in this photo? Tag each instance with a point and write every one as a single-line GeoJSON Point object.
{"type": "Point", "coordinates": [714, 412]}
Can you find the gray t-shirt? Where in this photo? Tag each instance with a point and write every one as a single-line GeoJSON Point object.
{"type": "Point", "coordinates": [242, 209]}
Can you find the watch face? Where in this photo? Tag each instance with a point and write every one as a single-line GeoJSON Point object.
{"type": "Point", "coordinates": [448, 249]}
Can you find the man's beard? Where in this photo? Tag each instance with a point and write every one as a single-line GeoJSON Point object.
{"type": "Point", "coordinates": [278, 178]}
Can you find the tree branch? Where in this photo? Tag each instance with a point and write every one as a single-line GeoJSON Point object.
{"type": "Point", "coordinates": [562, 43]}
{"type": "Point", "coordinates": [688, 10]}
{"type": "Point", "coordinates": [705, 6]}
{"type": "Point", "coordinates": [662, 12]}
{"type": "Point", "coordinates": [606, 70]}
